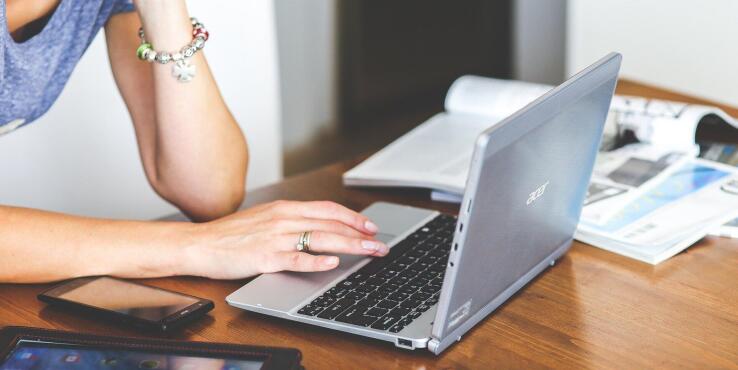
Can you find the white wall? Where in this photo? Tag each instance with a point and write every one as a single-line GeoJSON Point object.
{"type": "Point", "coordinates": [686, 45]}
{"type": "Point", "coordinates": [81, 157]}
{"type": "Point", "coordinates": [307, 47]}
{"type": "Point", "coordinates": [539, 40]}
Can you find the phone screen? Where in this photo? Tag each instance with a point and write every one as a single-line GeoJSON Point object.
{"type": "Point", "coordinates": [29, 355]}
{"type": "Point", "coordinates": [127, 298]}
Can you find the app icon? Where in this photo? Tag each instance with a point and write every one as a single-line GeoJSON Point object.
{"type": "Point", "coordinates": [109, 361]}
{"type": "Point", "coordinates": [148, 364]}
{"type": "Point", "coordinates": [25, 356]}
{"type": "Point", "coordinates": [73, 358]}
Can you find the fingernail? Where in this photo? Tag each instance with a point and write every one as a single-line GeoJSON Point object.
{"type": "Point", "coordinates": [383, 249]}
{"type": "Point", "coordinates": [330, 261]}
{"type": "Point", "coordinates": [370, 245]}
{"type": "Point", "coordinates": [371, 226]}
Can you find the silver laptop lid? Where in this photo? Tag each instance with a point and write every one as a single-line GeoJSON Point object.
{"type": "Point", "coordinates": [527, 182]}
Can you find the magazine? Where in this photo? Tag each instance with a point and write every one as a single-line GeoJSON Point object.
{"type": "Point", "coordinates": [671, 216]}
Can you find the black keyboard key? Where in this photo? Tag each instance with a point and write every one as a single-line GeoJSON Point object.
{"type": "Point", "coordinates": [410, 303]}
{"type": "Point", "coordinates": [420, 296]}
{"type": "Point", "coordinates": [310, 310]}
{"type": "Point", "coordinates": [349, 284]}
{"type": "Point", "coordinates": [388, 304]}
{"type": "Point", "coordinates": [409, 288]}
{"type": "Point", "coordinates": [422, 308]}
{"type": "Point", "coordinates": [439, 252]}
{"type": "Point", "coordinates": [398, 296]}
{"type": "Point", "coordinates": [400, 325]}
{"type": "Point", "coordinates": [358, 276]}
{"type": "Point", "coordinates": [432, 258]}
{"type": "Point", "coordinates": [425, 247]}
{"type": "Point", "coordinates": [438, 267]}
{"type": "Point", "coordinates": [374, 281]}
{"type": "Point", "coordinates": [414, 315]}
{"type": "Point", "coordinates": [375, 297]}
{"type": "Point", "coordinates": [399, 311]}
{"type": "Point", "coordinates": [360, 320]}
{"type": "Point", "coordinates": [421, 280]}
{"type": "Point", "coordinates": [365, 289]}
{"type": "Point", "coordinates": [355, 296]}
{"type": "Point", "coordinates": [336, 309]}
{"type": "Point", "coordinates": [415, 253]}
{"type": "Point", "coordinates": [374, 266]}
{"type": "Point", "coordinates": [406, 260]}
{"type": "Point", "coordinates": [404, 264]}
{"type": "Point", "coordinates": [387, 289]}
{"type": "Point", "coordinates": [387, 274]}
{"type": "Point", "coordinates": [337, 292]}
{"type": "Point", "coordinates": [386, 322]}
{"type": "Point", "coordinates": [410, 274]}
{"type": "Point", "coordinates": [405, 321]}
{"type": "Point", "coordinates": [323, 301]}
{"type": "Point", "coordinates": [355, 315]}
{"type": "Point", "coordinates": [376, 312]}
{"type": "Point", "coordinates": [423, 264]}
{"type": "Point", "coordinates": [399, 280]}
{"type": "Point", "coordinates": [430, 289]}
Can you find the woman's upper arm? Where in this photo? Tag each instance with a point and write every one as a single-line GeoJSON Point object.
{"type": "Point", "coordinates": [135, 82]}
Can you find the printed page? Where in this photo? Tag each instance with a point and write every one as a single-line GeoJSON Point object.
{"type": "Point", "coordinates": [491, 97]}
{"type": "Point", "coordinates": [434, 155]}
{"type": "Point", "coordinates": [690, 200]}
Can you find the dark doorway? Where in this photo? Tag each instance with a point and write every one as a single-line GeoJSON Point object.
{"type": "Point", "coordinates": [401, 56]}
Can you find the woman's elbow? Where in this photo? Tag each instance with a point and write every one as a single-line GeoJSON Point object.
{"type": "Point", "coordinates": [214, 205]}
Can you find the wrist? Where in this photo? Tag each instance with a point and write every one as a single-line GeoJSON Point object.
{"type": "Point", "coordinates": [167, 23]}
{"type": "Point", "coordinates": [191, 249]}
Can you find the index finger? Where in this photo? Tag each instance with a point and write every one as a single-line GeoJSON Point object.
{"type": "Point", "coordinates": [326, 210]}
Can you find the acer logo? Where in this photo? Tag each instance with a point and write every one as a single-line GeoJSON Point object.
{"type": "Point", "coordinates": [536, 194]}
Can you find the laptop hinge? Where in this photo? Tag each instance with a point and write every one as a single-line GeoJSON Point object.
{"type": "Point", "coordinates": [433, 345]}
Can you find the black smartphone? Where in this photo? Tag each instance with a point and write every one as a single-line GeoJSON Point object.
{"type": "Point", "coordinates": [128, 302]}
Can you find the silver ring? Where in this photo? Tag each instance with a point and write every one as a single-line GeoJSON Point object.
{"type": "Point", "coordinates": [303, 244]}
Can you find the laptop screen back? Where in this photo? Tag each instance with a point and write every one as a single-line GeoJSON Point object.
{"type": "Point", "coordinates": [524, 195]}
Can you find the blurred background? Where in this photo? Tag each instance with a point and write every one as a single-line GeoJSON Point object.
{"type": "Point", "coordinates": [314, 82]}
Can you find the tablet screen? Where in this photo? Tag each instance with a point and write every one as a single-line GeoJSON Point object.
{"type": "Point", "coordinates": [29, 355]}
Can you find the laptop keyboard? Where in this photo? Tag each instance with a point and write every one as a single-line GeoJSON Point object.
{"type": "Point", "coordinates": [392, 291]}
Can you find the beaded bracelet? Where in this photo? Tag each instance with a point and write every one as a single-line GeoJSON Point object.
{"type": "Point", "coordinates": [183, 70]}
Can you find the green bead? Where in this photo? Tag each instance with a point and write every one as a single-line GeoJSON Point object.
{"type": "Point", "coordinates": [140, 51]}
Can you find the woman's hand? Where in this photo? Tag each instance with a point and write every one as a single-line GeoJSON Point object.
{"type": "Point", "coordinates": [262, 239]}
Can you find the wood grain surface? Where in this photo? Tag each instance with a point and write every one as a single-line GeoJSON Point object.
{"type": "Point", "coordinates": [593, 309]}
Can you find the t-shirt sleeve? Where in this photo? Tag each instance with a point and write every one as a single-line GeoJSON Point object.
{"type": "Point", "coordinates": [123, 6]}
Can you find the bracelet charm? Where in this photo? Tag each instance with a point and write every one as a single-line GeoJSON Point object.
{"type": "Point", "coordinates": [183, 70]}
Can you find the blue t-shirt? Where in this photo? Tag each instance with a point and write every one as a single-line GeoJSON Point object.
{"type": "Point", "coordinates": [34, 72]}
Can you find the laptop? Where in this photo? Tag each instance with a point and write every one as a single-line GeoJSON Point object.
{"type": "Point", "coordinates": [444, 274]}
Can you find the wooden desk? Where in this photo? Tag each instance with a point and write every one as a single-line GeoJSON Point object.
{"type": "Point", "coordinates": [594, 309]}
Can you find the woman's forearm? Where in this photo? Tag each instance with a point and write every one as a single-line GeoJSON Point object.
{"type": "Point", "coordinates": [200, 152]}
{"type": "Point", "coordinates": [38, 246]}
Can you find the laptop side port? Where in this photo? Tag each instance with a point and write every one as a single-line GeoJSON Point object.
{"type": "Point", "coordinates": [404, 343]}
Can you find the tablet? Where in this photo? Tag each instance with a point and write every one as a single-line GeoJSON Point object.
{"type": "Point", "coordinates": [29, 348]}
